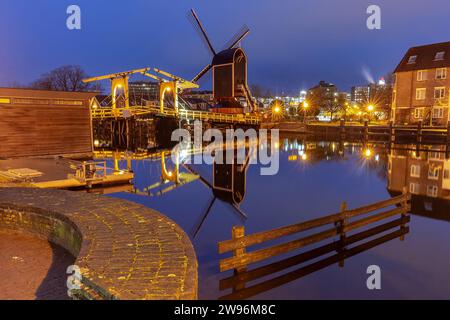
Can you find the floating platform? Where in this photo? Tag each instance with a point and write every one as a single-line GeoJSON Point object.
{"type": "Point", "coordinates": [61, 174]}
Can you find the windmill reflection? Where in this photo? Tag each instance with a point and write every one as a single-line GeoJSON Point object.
{"type": "Point", "coordinates": [229, 185]}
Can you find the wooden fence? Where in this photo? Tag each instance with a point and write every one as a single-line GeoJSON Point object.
{"type": "Point", "coordinates": [340, 225]}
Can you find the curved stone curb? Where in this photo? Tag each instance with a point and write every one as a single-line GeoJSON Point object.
{"type": "Point", "coordinates": [124, 250]}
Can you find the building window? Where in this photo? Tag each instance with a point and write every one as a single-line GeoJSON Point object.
{"type": "Point", "coordinates": [439, 92]}
{"type": "Point", "coordinates": [418, 113]}
{"type": "Point", "coordinates": [441, 73]}
{"type": "Point", "coordinates": [446, 174]}
{"type": "Point", "coordinates": [422, 75]}
{"type": "Point", "coordinates": [438, 112]}
{"type": "Point", "coordinates": [434, 155]}
{"type": "Point", "coordinates": [433, 173]}
{"type": "Point", "coordinates": [5, 100]}
{"type": "Point", "coordinates": [414, 188]}
{"type": "Point", "coordinates": [421, 93]}
{"type": "Point", "coordinates": [432, 191]}
{"type": "Point", "coordinates": [439, 56]}
{"type": "Point", "coordinates": [412, 59]}
{"type": "Point", "coordinates": [415, 171]}
{"type": "Point", "coordinates": [31, 101]}
{"type": "Point", "coordinates": [68, 102]}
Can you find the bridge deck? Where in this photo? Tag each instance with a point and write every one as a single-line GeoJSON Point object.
{"type": "Point", "coordinates": [104, 113]}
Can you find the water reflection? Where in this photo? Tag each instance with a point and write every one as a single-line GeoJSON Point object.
{"type": "Point", "coordinates": [314, 178]}
{"type": "Point", "coordinates": [425, 172]}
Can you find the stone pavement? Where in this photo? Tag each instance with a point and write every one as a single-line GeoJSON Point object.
{"type": "Point", "coordinates": [124, 250]}
{"type": "Point", "coordinates": [32, 268]}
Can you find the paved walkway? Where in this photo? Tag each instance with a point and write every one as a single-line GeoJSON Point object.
{"type": "Point", "coordinates": [32, 268]}
{"type": "Point", "coordinates": [124, 250]}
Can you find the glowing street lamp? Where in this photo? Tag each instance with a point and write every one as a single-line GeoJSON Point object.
{"type": "Point", "coordinates": [305, 108]}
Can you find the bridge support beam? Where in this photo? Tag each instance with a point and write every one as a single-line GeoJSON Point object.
{"type": "Point", "coordinates": [168, 87]}
{"type": "Point", "coordinates": [116, 84]}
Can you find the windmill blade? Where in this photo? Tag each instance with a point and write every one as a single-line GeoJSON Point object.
{"type": "Point", "coordinates": [238, 37]}
{"type": "Point", "coordinates": [201, 73]}
{"type": "Point", "coordinates": [205, 215]}
{"type": "Point", "coordinates": [192, 16]}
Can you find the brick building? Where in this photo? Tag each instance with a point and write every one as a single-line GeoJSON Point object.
{"type": "Point", "coordinates": [422, 83]}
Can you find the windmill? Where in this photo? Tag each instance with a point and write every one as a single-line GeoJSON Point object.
{"type": "Point", "coordinates": [229, 68]}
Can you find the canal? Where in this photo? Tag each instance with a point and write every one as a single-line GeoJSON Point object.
{"type": "Point", "coordinates": [314, 178]}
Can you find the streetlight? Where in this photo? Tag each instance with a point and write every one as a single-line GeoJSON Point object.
{"type": "Point", "coordinates": [305, 107]}
{"type": "Point", "coordinates": [370, 108]}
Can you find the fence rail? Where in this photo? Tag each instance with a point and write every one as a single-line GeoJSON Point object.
{"type": "Point", "coordinates": [342, 224]}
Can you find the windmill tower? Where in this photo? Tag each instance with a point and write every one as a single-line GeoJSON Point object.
{"type": "Point", "coordinates": [229, 67]}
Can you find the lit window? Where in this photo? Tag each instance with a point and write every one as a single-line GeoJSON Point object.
{"type": "Point", "coordinates": [433, 173]}
{"type": "Point", "coordinates": [438, 112]}
{"type": "Point", "coordinates": [439, 56]}
{"type": "Point", "coordinates": [441, 73]}
{"type": "Point", "coordinates": [418, 113]}
{"type": "Point", "coordinates": [5, 100]}
{"type": "Point", "coordinates": [434, 155]}
{"type": "Point", "coordinates": [421, 93]}
{"type": "Point", "coordinates": [415, 171]}
{"type": "Point", "coordinates": [422, 75]}
{"type": "Point", "coordinates": [439, 92]}
{"type": "Point", "coordinates": [412, 59]}
{"type": "Point", "coordinates": [446, 174]}
{"type": "Point", "coordinates": [432, 191]}
{"type": "Point", "coordinates": [414, 188]}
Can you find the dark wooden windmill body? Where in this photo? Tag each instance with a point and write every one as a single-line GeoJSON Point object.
{"type": "Point", "coordinates": [229, 66]}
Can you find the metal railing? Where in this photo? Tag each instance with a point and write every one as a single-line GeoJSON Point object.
{"type": "Point", "coordinates": [103, 113]}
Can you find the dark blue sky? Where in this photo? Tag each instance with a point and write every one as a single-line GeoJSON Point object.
{"type": "Point", "coordinates": [293, 43]}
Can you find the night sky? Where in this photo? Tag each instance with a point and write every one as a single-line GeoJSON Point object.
{"type": "Point", "coordinates": [293, 43]}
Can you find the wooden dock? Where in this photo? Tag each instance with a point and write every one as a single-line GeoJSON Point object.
{"type": "Point", "coordinates": [61, 174]}
{"type": "Point", "coordinates": [366, 132]}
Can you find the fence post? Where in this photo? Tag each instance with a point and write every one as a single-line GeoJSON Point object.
{"type": "Point", "coordinates": [366, 131]}
{"type": "Point", "coordinates": [419, 133]}
{"type": "Point", "coordinates": [391, 133]}
{"type": "Point", "coordinates": [342, 129]}
{"type": "Point", "coordinates": [404, 204]}
{"type": "Point", "coordinates": [448, 132]}
{"type": "Point", "coordinates": [237, 233]}
{"type": "Point", "coordinates": [340, 228]}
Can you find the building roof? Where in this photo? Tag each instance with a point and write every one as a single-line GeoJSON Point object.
{"type": "Point", "coordinates": [425, 57]}
{"type": "Point", "coordinates": [225, 56]}
{"type": "Point", "coordinates": [45, 94]}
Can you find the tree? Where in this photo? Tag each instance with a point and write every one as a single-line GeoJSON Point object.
{"type": "Point", "coordinates": [324, 101]}
{"type": "Point", "coordinates": [65, 78]}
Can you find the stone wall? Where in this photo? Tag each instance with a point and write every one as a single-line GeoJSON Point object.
{"type": "Point", "coordinates": [124, 250]}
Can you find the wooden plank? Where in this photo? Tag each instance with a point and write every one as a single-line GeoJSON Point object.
{"type": "Point", "coordinates": [259, 255]}
{"type": "Point", "coordinates": [309, 269]}
{"type": "Point", "coordinates": [264, 236]}
{"type": "Point", "coordinates": [306, 256]}
{"type": "Point", "coordinates": [375, 218]}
